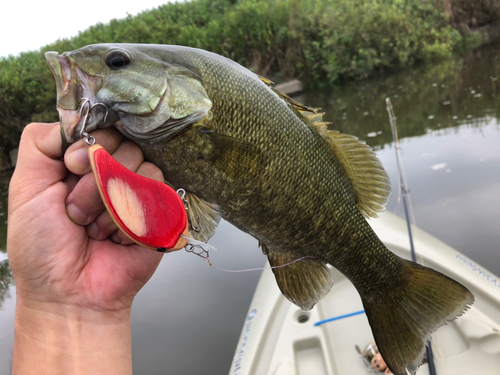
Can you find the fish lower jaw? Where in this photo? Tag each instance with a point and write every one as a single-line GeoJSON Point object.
{"type": "Point", "coordinates": [70, 124]}
{"type": "Point", "coordinates": [95, 116]}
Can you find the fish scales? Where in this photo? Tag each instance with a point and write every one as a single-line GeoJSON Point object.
{"type": "Point", "coordinates": [270, 167]}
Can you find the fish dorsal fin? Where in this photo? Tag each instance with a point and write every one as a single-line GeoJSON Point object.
{"type": "Point", "coordinates": [371, 184]}
{"type": "Point", "coordinates": [268, 82]}
{"type": "Point", "coordinates": [369, 179]}
{"type": "Point", "coordinates": [203, 215]}
{"type": "Point", "coordinates": [300, 109]}
{"type": "Point", "coordinates": [304, 282]}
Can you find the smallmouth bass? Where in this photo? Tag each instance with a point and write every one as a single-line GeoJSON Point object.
{"type": "Point", "coordinates": [246, 152]}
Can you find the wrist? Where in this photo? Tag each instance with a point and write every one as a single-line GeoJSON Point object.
{"type": "Point", "coordinates": [61, 339]}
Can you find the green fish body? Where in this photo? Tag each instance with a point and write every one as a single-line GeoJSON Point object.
{"type": "Point", "coordinates": [267, 164]}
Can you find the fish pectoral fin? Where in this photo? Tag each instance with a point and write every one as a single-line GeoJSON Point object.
{"type": "Point", "coordinates": [233, 156]}
{"type": "Point", "coordinates": [403, 319]}
{"type": "Point", "coordinates": [203, 216]}
{"type": "Point", "coordinates": [304, 282]}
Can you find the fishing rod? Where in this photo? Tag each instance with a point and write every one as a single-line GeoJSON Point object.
{"type": "Point", "coordinates": [405, 192]}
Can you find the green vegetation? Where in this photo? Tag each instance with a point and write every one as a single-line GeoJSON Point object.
{"type": "Point", "coordinates": [435, 98]}
{"type": "Point", "coordinates": [6, 279]}
{"type": "Point", "coordinates": [320, 42]}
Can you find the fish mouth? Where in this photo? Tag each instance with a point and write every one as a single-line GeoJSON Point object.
{"type": "Point", "coordinates": [75, 89]}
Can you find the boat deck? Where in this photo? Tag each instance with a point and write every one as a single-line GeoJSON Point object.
{"type": "Point", "coordinates": [279, 338]}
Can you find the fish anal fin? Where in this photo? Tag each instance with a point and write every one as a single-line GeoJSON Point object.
{"type": "Point", "coordinates": [304, 282]}
{"type": "Point", "coordinates": [403, 321]}
{"type": "Point", "coordinates": [370, 182]}
{"type": "Point", "coordinates": [203, 216]}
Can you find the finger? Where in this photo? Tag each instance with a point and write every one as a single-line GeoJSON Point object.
{"type": "Point", "coordinates": [151, 171]}
{"type": "Point", "coordinates": [84, 203]}
{"type": "Point", "coordinates": [76, 157]}
{"type": "Point", "coordinates": [120, 238]}
{"type": "Point", "coordinates": [129, 155]}
{"type": "Point", "coordinates": [39, 162]}
{"type": "Point", "coordinates": [40, 153]}
{"type": "Point", "coordinates": [71, 180]}
{"type": "Point", "coordinates": [104, 226]}
{"type": "Point", "coordinates": [47, 138]}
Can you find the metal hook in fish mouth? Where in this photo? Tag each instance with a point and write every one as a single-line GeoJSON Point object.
{"type": "Point", "coordinates": [90, 140]}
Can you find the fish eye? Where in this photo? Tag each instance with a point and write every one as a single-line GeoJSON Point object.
{"type": "Point", "coordinates": [117, 60]}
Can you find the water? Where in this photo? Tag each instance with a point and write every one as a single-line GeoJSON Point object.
{"type": "Point", "coordinates": [449, 128]}
{"type": "Point", "coordinates": [188, 318]}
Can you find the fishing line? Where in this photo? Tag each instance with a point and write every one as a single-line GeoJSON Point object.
{"type": "Point", "coordinates": [265, 268]}
{"type": "Point", "coordinates": [199, 248]}
{"type": "Point", "coordinates": [194, 246]}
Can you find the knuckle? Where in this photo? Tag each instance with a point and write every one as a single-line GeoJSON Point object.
{"type": "Point", "coordinates": [29, 131]}
{"type": "Point", "coordinates": [108, 138]}
{"type": "Point", "coordinates": [129, 147]}
{"type": "Point", "coordinates": [151, 171]}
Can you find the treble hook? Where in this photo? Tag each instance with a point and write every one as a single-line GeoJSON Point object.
{"type": "Point", "coordinates": [182, 195]}
{"type": "Point", "coordinates": [90, 140]}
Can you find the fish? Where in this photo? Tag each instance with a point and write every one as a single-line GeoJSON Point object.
{"type": "Point", "coordinates": [246, 152]}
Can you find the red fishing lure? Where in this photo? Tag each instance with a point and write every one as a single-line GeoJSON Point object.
{"type": "Point", "coordinates": [149, 212]}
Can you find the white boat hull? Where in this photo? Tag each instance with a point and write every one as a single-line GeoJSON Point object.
{"type": "Point", "coordinates": [278, 338]}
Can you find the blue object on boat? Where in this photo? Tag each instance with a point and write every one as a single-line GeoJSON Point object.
{"type": "Point", "coordinates": [338, 317]}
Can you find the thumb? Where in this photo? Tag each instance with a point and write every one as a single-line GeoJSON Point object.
{"type": "Point", "coordinates": [39, 162]}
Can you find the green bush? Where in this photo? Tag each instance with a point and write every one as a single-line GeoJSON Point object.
{"type": "Point", "coordinates": [320, 42]}
{"type": "Point", "coordinates": [355, 38]}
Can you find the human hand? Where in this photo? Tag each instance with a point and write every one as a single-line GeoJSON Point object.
{"type": "Point", "coordinates": [70, 264]}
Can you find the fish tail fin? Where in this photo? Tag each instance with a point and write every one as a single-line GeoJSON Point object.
{"type": "Point", "coordinates": [402, 323]}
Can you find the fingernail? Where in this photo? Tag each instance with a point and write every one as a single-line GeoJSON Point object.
{"type": "Point", "coordinates": [76, 216]}
{"type": "Point", "coordinates": [78, 161]}
{"type": "Point", "coordinates": [93, 231]}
